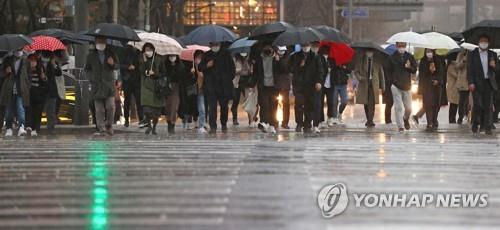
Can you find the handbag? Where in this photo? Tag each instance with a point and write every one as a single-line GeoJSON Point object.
{"type": "Point", "coordinates": [161, 88]}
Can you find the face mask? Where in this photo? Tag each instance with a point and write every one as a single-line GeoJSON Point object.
{"type": "Point", "coordinates": [429, 55]}
{"type": "Point", "coordinates": [369, 54]}
{"type": "Point", "coordinates": [484, 45]}
{"type": "Point", "coordinates": [19, 53]}
{"type": "Point", "coordinates": [315, 49]}
{"type": "Point", "coordinates": [172, 58]}
{"type": "Point", "coordinates": [306, 49]}
{"type": "Point", "coordinates": [149, 54]}
{"type": "Point", "coordinates": [45, 59]}
{"type": "Point", "coordinates": [401, 50]}
{"type": "Point", "coordinates": [100, 47]}
{"type": "Point", "coordinates": [215, 48]}
{"type": "Point", "coordinates": [243, 54]}
{"type": "Point", "coordinates": [325, 56]}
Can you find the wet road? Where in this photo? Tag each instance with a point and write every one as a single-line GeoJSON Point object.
{"type": "Point", "coordinates": [245, 179]}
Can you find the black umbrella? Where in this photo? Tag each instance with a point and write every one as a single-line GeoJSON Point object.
{"type": "Point", "coordinates": [114, 31]}
{"type": "Point", "coordinates": [298, 36]}
{"type": "Point", "coordinates": [270, 31]}
{"type": "Point", "coordinates": [65, 36]}
{"type": "Point", "coordinates": [379, 53]}
{"type": "Point", "coordinates": [458, 37]}
{"type": "Point", "coordinates": [204, 35]}
{"type": "Point", "coordinates": [490, 28]}
{"type": "Point", "coordinates": [10, 42]}
{"type": "Point", "coordinates": [332, 34]}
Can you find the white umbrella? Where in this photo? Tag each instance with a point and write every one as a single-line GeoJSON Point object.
{"type": "Point", "coordinates": [440, 41]}
{"type": "Point", "coordinates": [409, 37]}
{"type": "Point", "coordinates": [468, 46]}
{"type": "Point", "coordinates": [164, 45]}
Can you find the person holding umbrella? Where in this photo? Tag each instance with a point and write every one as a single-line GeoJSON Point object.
{"type": "Point", "coordinates": [175, 71]}
{"type": "Point", "coordinates": [15, 92]}
{"type": "Point", "coordinates": [218, 70]}
{"type": "Point", "coordinates": [284, 82]}
{"type": "Point", "coordinates": [131, 77]}
{"type": "Point", "coordinates": [100, 69]}
{"type": "Point", "coordinates": [152, 70]}
{"type": "Point", "coordinates": [307, 78]}
{"type": "Point", "coordinates": [430, 74]}
{"type": "Point", "coordinates": [38, 94]}
{"type": "Point", "coordinates": [370, 74]}
{"type": "Point", "coordinates": [482, 66]}
{"type": "Point", "coordinates": [241, 82]}
{"type": "Point", "coordinates": [53, 71]}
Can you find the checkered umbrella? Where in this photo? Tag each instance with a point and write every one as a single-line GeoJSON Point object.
{"type": "Point", "coordinates": [164, 45]}
{"type": "Point", "coordinates": [44, 43]}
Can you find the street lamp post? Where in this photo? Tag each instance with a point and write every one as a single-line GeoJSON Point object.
{"type": "Point", "coordinates": [350, 18]}
{"type": "Point", "coordinates": [470, 14]}
{"type": "Point", "coordinates": [81, 113]}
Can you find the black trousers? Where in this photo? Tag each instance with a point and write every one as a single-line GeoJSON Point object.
{"type": "Point", "coordinates": [268, 105]}
{"type": "Point", "coordinates": [35, 110]}
{"type": "Point", "coordinates": [328, 94]}
{"type": "Point", "coordinates": [214, 99]}
{"type": "Point", "coordinates": [460, 108]}
{"type": "Point", "coordinates": [497, 107]}
{"type": "Point", "coordinates": [370, 107]}
{"type": "Point", "coordinates": [236, 102]}
{"type": "Point", "coordinates": [482, 111]}
{"type": "Point", "coordinates": [129, 91]}
{"type": "Point", "coordinates": [318, 108]}
{"type": "Point", "coordinates": [388, 112]}
{"type": "Point", "coordinates": [285, 94]}
{"type": "Point", "coordinates": [304, 108]}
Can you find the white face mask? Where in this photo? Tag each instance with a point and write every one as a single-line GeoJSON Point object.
{"type": "Point", "coordinates": [315, 49]}
{"type": "Point", "coordinates": [401, 50]}
{"type": "Point", "coordinates": [484, 45]}
{"type": "Point", "coordinates": [429, 55]}
{"type": "Point", "coordinates": [325, 55]}
{"type": "Point", "coordinates": [306, 49]}
{"type": "Point", "coordinates": [243, 54]}
{"type": "Point", "coordinates": [215, 48]}
{"type": "Point", "coordinates": [100, 47]}
{"type": "Point", "coordinates": [172, 58]}
{"type": "Point", "coordinates": [149, 54]}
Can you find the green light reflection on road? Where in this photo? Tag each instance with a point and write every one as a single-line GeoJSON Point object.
{"type": "Point", "coordinates": [99, 175]}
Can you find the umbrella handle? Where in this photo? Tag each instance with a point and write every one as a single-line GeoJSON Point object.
{"type": "Point", "coordinates": [152, 62]}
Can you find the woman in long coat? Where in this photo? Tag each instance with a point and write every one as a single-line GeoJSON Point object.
{"type": "Point", "coordinates": [175, 73]}
{"type": "Point", "coordinates": [151, 67]}
{"type": "Point", "coordinates": [430, 86]}
{"type": "Point", "coordinates": [369, 89]}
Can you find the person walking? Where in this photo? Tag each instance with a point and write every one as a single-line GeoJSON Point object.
{"type": "Point", "coordinates": [175, 71]}
{"type": "Point", "coordinates": [430, 86]}
{"type": "Point", "coordinates": [402, 66]}
{"type": "Point", "coordinates": [131, 77]}
{"type": "Point", "coordinates": [283, 82]}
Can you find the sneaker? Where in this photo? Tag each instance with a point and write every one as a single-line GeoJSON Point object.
{"type": "Point", "coordinates": [143, 124]}
{"type": "Point", "coordinates": [323, 124]}
{"type": "Point", "coordinates": [110, 131]}
{"type": "Point", "coordinates": [263, 127]}
{"type": "Point", "coordinates": [127, 124]}
{"type": "Point", "coordinates": [224, 129]}
{"type": "Point", "coordinates": [401, 130]}
{"type": "Point", "coordinates": [340, 120]}
{"type": "Point", "coordinates": [298, 129]}
{"type": "Point", "coordinates": [33, 133]}
{"type": "Point", "coordinates": [407, 124]}
{"type": "Point", "coordinates": [28, 131]}
{"type": "Point", "coordinates": [334, 121]}
{"type": "Point", "coordinates": [202, 130]}
{"type": "Point", "coordinates": [235, 122]}
{"type": "Point", "coordinates": [271, 129]}
{"type": "Point", "coordinates": [8, 133]}
{"type": "Point", "coordinates": [316, 130]}
{"type": "Point", "coordinates": [98, 133]}
{"type": "Point", "coordinates": [330, 121]}
{"type": "Point", "coordinates": [252, 124]}
{"type": "Point", "coordinates": [21, 132]}
{"type": "Point", "coordinates": [415, 119]}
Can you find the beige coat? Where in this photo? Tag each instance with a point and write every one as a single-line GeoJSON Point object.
{"type": "Point", "coordinates": [451, 86]}
{"type": "Point", "coordinates": [361, 73]}
{"type": "Point", "coordinates": [462, 83]}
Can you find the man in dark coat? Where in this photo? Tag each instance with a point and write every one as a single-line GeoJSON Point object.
{"type": "Point", "coordinates": [100, 69]}
{"type": "Point", "coordinates": [219, 70]}
{"type": "Point", "coordinates": [307, 78]}
{"type": "Point", "coordinates": [482, 65]}
{"type": "Point", "coordinates": [129, 69]}
{"type": "Point", "coordinates": [401, 67]}
{"type": "Point", "coordinates": [284, 83]}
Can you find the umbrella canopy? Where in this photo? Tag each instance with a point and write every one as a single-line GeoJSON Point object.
{"type": "Point", "coordinates": [468, 46]}
{"type": "Point", "coordinates": [187, 54]}
{"type": "Point", "coordinates": [242, 45]}
{"type": "Point", "coordinates": [164, 45]}
{"type": "Point", "coordinates": [65, 36]}
{"type": "Point", "coordinates": [270, 30]}
{"type": "Point", "coordinates": [114, 31]}
{"type": "Point", "coordinates": [412, 38]}
{"type": "Point", "coordinates": [369, 45]}
{"type": "Point", "coordinates": [486, 27]}
{"type": "Point", "coordinates": [10, 42]}
{"type": "Point", "coordinates": [45, 43]}
{"type": "Point", "coordinates": [204, 35]}
{"type": "Point", "coordinates": [440, 41]}
{"type": "Point", "coordinates": [332, 35]}
{"type": "Point", "coordinates": [298, 36]}
{"type": "Point", "coordinates": [457, 36]}
{"type": "Point", "coordinates": [340, 52]}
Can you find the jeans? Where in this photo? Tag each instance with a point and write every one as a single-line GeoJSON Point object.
{"type": "Point", "coordinates": [51, 113]}
{"type": "Point", "coordinates": [402, 100]}
{"type": "Point", "coordinates": [104, 113]}
{"type": "Point", "coordinates": [201, 110]}
{"type": "Point", "coordinates": [342, 91]}
{"type": "Point", "coordinates": [16, 106]}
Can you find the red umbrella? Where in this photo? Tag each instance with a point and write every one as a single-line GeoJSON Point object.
{"type": "Point", "coordinates": [44, 43]}
{"type": "Point", "coordinates": [187, 54]}
{"type": "Point", "coordinates": [340, 52]}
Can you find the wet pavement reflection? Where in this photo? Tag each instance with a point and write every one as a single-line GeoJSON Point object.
{"type": "Point", "coordinates": [245, 179]}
